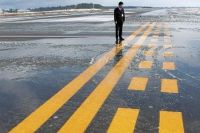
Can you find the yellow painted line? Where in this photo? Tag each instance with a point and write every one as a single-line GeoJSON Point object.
{"type": "Point", "coordinates": [168, 54]}
{"type": "Point", "coordinates": [82, 117]}
{"type": "Point", "coordinates": [169, 66]}
{"type": "Point", "coordinates": [124, 121]}
{"type": "Point", "coordinates": [169, 86]}
{"type": "Point", "coordinates": [167, 46]}
{"type": "Point", "coordinates": [46, 110]}
{"type": "Point", "coordinates": [171, 122]}
{"type": "Point", "coordinates": [145, 64]}
{"type": "Point", "coordinates": [138, 83]}
{"type": "Point", "coordinates": [134, 34]}
{"type": "Point", "coordinates": [149, 53]}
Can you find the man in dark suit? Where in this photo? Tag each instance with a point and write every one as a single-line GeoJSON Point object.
{"type": "Point", "coordinates": [119, 17]}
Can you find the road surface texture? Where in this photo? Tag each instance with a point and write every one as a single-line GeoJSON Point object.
{"type": "Point", "coordinates": [64, 74]}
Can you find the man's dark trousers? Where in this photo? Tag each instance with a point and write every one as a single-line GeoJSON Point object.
{"type": "Point", "coordinates": [119, 28]}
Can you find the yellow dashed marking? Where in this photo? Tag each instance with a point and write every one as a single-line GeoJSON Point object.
{"type": "Point", "coordinates": [145, 64]}
{"type": "Point", "coordinates": [138, 83]}
{"type": "Point", "coordinates": [149, 53]}
{"type": "Point", "coordinates": [169, 86]}
{"type": "Point", "coordinates": [168, 54]}
{"type": "Point", "coordinates": [171, 122]}
{"type": "Point", "coordinates": [169, 66]}
{"type": "Point", "coordinates": [124, 121]}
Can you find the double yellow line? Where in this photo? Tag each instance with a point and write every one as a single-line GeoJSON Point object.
{"type": "Point", "coordinates": [36, 119]}
{"type": "Point", "coordinates": [83, 116]}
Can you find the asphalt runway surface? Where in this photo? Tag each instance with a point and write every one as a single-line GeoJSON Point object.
{"type": "Point", "coordinates": [65, 74]}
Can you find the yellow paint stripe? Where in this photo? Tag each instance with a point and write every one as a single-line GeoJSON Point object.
{"type": "Point", "coordinates": [138, 83]}
{"type": "Point", "coordinates": [169, 86]}
{"type": "Point", "coordinates": [169, 66]}
{"type": "Point", "coordinates": [171, 122]}
{"type": "Point", "coordinates": [134, 34]}
{"type": "Point", "coordinates": [149, 53]}
{"type": "Point", "coordinates": [124, 121]}
{"type": "Point", "coordinates": [168, 54]}
{"type": "Point", "coordinates": [145, 64]}
{"type": "Point", "coordinates": [82, 117]}
{"type": "Point", "coordinates": [46, 110]}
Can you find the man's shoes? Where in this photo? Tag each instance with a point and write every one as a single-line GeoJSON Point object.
{"type": "Point", "coordinates": [121, 39]}
{"type": "Point", "coordinates": [116, 42]}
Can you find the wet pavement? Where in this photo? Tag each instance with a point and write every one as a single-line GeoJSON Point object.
{"type": "Point", "coordinates": [65, 74]}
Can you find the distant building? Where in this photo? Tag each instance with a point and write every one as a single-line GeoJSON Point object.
{"type": "Point", "coordinates": [23, 11]}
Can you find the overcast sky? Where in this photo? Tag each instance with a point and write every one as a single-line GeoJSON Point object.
{"type": "Point", "coordinates": [41, 3]}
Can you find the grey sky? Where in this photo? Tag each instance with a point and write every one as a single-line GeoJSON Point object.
{"type": "Point", "coordinates": [39, 3]}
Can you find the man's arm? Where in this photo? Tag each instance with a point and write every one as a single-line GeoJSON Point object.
{"type": "Point", "coordinates": [115, 15]}
{"type": "Point", "coordinates": [124, 15]}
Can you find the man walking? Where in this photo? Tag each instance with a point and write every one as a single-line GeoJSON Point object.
{"type": "Point", "coordinates": [119, 17]}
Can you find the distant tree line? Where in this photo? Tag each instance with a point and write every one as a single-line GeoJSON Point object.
{"type": "Point", "coordinates": [78, 6]}
{"type": "Point", "coordinates": [10, 10]}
